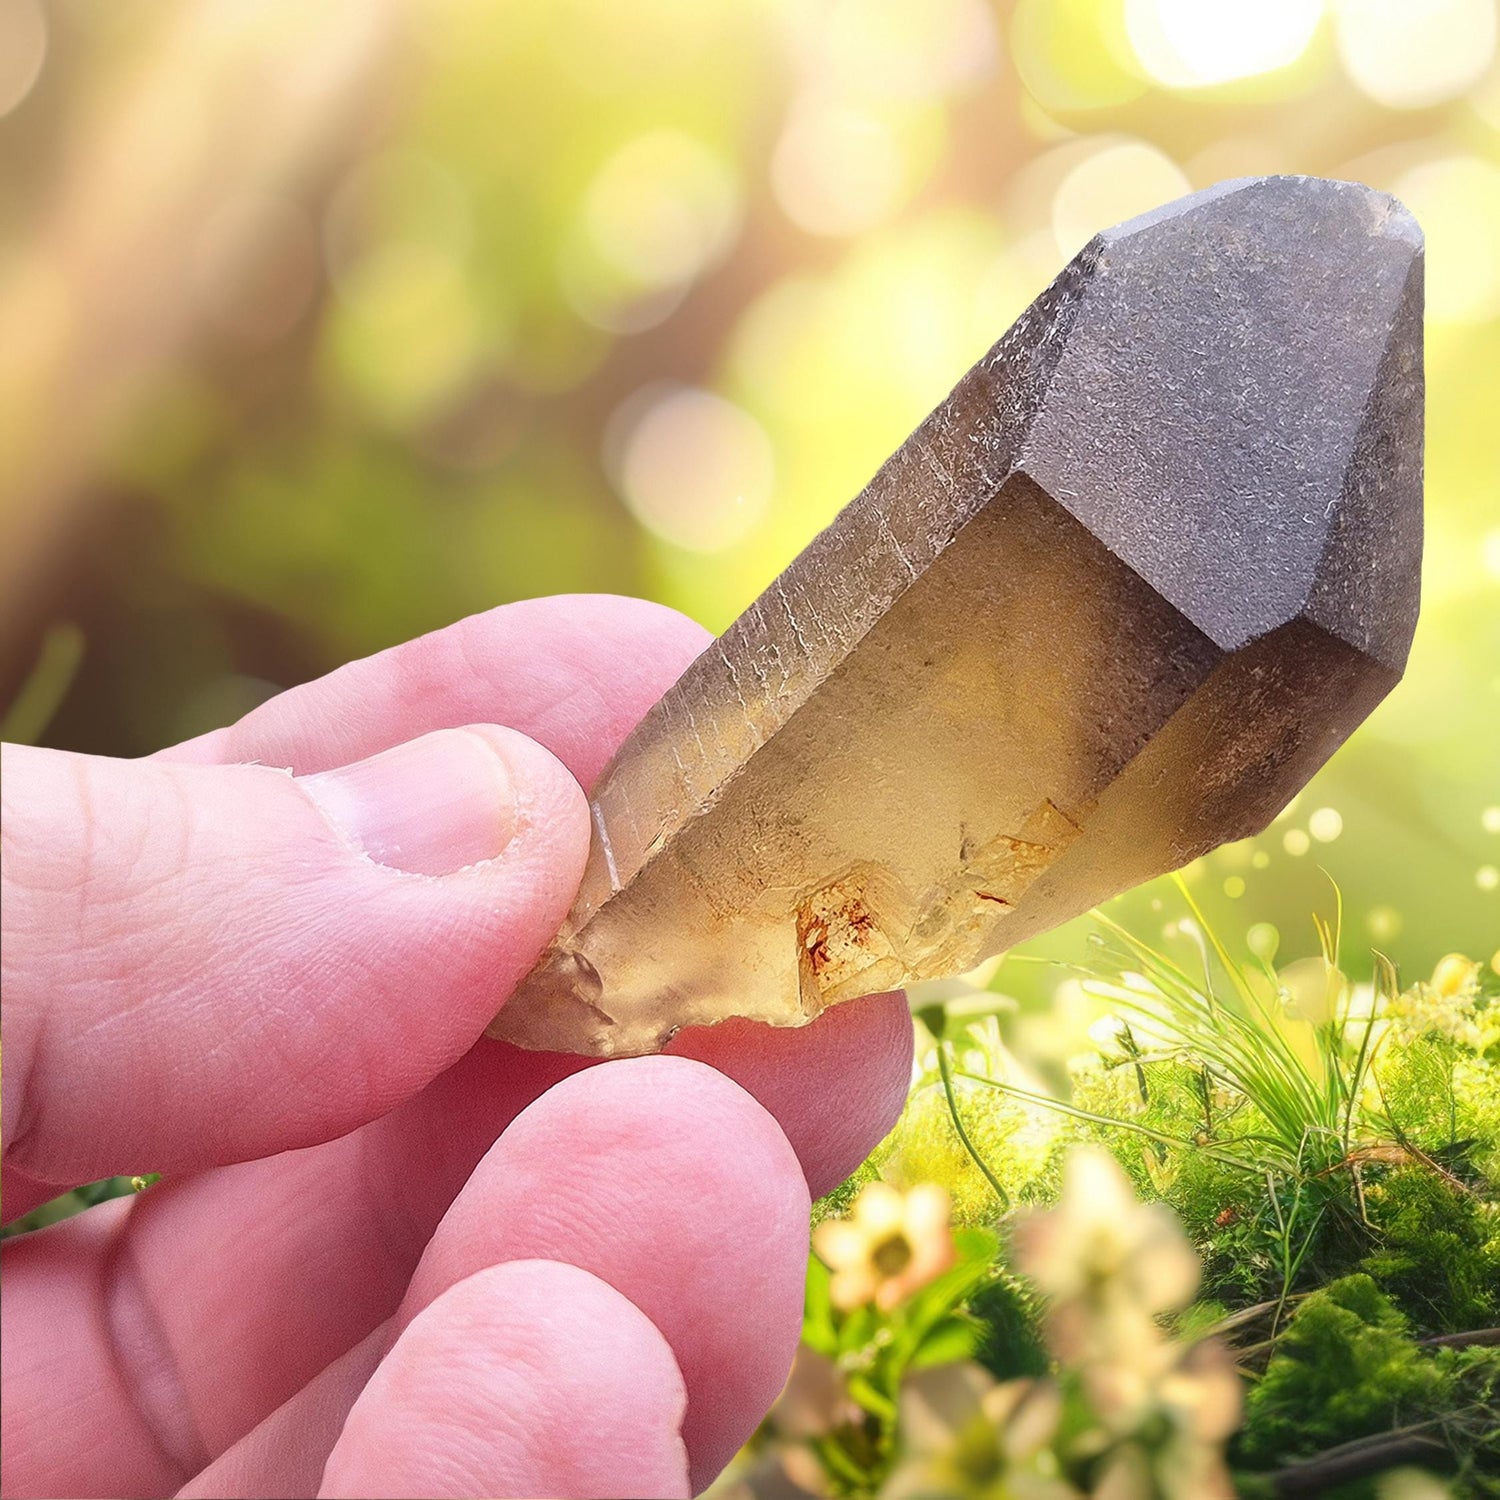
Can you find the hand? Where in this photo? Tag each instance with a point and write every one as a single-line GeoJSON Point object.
{"type": "Point", "coordinates": [387, 1257]}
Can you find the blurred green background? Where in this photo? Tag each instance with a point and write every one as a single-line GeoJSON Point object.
{"type": "Point", "coordinates": [324, 325]}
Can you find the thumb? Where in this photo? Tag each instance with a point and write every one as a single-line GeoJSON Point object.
{"type": "Point", "coordinates": [204, 964]}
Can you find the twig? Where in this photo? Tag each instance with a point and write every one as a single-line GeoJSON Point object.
{"type": "Point", "coordinates": [1477, 1338]}
{"type": "Point", "coordinates": [1247, 1315]}
{"type": "Point", "coordinates": [1369, 1455]}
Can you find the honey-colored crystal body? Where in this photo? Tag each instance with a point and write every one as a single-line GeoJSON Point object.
{"type": "Point", "coordinates": [1109, 606]}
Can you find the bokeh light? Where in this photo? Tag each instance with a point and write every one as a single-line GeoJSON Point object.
{"type": "Point", "coordinates": [1189, 44]}
{"type": "Point", "coordinates": [1410, 54]}
{"type": "Point", "coordinates": [23, 49]}
{"type": "Point", "coordinates": [1489, 552]}
{"type": "Point", "coordinates": [1074, 54]}
{"type": "Point", "coordinates": [837, 169]}
{"type": "Point", "coordinates": [1116, 182]}
{"type": "Point", "coordinates": [900, 49]}
{"type": "Point", "coordinates": [1457, 202]}
{"type": "Point", "coordinates": [255, 267]}
{"type": "Point", "coordinates": [694, 468]}
{"type": "Point", "coordinates": [660, 211]}
{"type": "Point", "coordinates": [408, 332]}
{"type": "Point", "coordinates": [1326, 824]}
{"type": "Point", "coordinates": [1263, 940]}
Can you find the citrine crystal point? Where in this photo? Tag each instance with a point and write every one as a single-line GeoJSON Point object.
{"type": "Point", "coordinates": [1109, 606]}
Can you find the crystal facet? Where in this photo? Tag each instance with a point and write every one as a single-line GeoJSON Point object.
{"type": "Point", "coordinates": [1109, 606]}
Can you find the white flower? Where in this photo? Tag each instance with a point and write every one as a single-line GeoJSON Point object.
{"type": "Point", "coordinates": [891, 1245]}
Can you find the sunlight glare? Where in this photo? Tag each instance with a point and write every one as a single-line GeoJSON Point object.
{"type": "Point", "coordinates": [895, 49]}
{"type": "Point", "coordinates": [1114, 184]}
{"type": "Point", "coordinates": [1411, 54]}
{"type": "Point", "coordinates": [1188, 44]}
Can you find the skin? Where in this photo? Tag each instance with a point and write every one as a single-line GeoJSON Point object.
{"type": "Point", "coordinates": [387, 1256]}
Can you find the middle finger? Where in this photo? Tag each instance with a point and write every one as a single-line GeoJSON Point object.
{"type": "Point", "coordinates": [268, 1271]}
{"type": "Point", "coordinates": [259, 1275]}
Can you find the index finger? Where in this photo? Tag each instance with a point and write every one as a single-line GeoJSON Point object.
{"type": "Point", "coordinates": [574, 672]}
{"type": "Point", "coordinates": [198, 930]}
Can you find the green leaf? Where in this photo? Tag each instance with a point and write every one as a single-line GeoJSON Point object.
{"type": "Point", "coordinates": [935, 1301]}
{"type": "Point", "coordinates": [819, 1329]}
{"type": "Point", "coordinates": [954, 1338]}
{"type": "Point", "coordinates": [872, 1400]}
{"type": "Point", "coordinates": [857, 1329]}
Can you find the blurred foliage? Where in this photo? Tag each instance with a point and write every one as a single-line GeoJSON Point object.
{"type": "Point", "coordinates": [326, 325]}
{"type": "Point", "coordinates": [1296, 1201]}
{"type": "Point", "coordinates": [329, 324]}
{"type": "Point", "coordinates": [857, 1353]}
{"type": "Point", "coordinates": [1095, 1398]}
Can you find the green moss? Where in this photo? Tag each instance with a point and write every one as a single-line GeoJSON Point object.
{"type": "Point", "coordinates": [1347, 1367]}
{"type": "Point", "coordinates": [1438, 1250]}
{"type": "Point", "coordinates": [837, 1203]}
{"type": "Point", "coordinates": [1446, 1098]}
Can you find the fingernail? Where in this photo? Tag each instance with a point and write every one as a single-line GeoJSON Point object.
{"type": "Point", "coordinates": [430, 807]}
